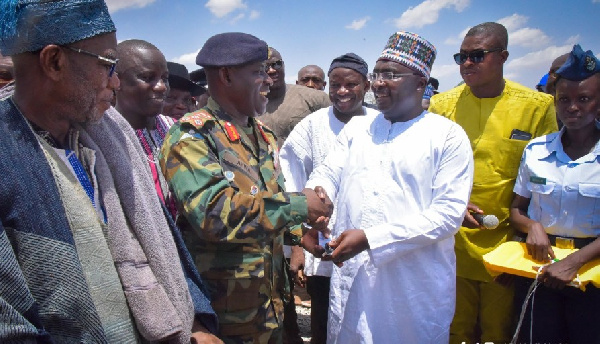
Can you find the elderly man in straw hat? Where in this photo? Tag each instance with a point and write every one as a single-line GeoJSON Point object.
{"type": "Point", "coordinates": [401, 182]}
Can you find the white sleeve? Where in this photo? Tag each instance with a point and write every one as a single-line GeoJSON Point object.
{"type": "Point", "coordinates": [451, 189]}
{"type": "Point", "coordinates": [296, 157]}
{"type": "Point", "coordinates": [328, 174]}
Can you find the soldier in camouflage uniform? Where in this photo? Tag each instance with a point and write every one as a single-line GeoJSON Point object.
{"type": "Point", "coordinates": [223, 167]}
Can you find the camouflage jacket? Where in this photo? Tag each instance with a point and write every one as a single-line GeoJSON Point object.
{"type": "Point", "coordinates": [234, 213]}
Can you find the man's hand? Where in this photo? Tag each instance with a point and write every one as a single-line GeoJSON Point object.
{"type": "Point", "coordinates": [297, 265]}
{"type": "Point", "coordinates": [469, 221]}
{"type": "Point", "coordinates": [320, 207]}
{"type": "Point", "coordinates": [538, 244]}
{"type": "Point", "coordinates": [310, 242]}
{"type": "Point", "coordinates": [200, 335]}
{"type": "Point", "coordinates": [350, 243]}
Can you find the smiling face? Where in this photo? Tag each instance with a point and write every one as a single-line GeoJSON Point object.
{"type": "Point", "coordinates": [144, 83]}
{"type": "Point", "coordinates": [249, 88]}
{"type": "Point", "coordinates": [578, 102]}
{"type": "Point", "coordinates": [276, 70]}
{"type": "Point", "coordinates": [487, 74]}
{"type": "Point", "coordinates": [347, 89]}
{"type": "Point", "coordinates": [398, 99]}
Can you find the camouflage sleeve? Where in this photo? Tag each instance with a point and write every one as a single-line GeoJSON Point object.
{"type": "Point", "coordinates": [293, 236]}
{"type": "Point", "coordinates": [213, 206]}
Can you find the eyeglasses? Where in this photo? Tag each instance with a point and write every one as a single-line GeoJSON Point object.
{"type": "Point", "coordinates": [111, 62]}
{"type": "Point", "coordinates": [387, 76]}
{"type": "Point", "coordinates": [476, 56]}
{"type": "Point", "coordinates": [275, 65]}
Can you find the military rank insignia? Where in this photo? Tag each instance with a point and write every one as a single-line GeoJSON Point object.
{"type": "Point", "coordinates": [590, 64]}
{"type": "Point", "coordinates": [232, 132]}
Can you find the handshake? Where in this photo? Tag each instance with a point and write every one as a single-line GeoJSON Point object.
{"type": "Point", "coordinates": [350, 243]}
{"type": "Point", "coordinates": [320, 208]}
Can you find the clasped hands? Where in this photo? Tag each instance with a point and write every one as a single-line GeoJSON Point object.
{"type": "Point", "coordinates": [350, 243]}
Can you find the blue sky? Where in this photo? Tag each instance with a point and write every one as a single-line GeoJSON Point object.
{"type": "Point", "coordinates": [316, 31]}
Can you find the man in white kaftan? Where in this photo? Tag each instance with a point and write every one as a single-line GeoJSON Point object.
{"type": "Point", "coordinates": [404, 178]}
{"type": "Point", "coordinates": [305, 149]}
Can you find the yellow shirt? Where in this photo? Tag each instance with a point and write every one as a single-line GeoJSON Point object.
{"type": "Point", "coordinates": [489, 123]}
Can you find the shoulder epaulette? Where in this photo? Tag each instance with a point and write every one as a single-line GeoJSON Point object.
{"type": "Point", "coordinates": [263, 128]}
{"type": "Point", "coordinates": [198, 119]}
{"type": "Point", "coordinates": [262, 125]}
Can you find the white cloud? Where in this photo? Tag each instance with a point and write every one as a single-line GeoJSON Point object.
{"type": "Point", "coordinates": [358, 24]}
{"type": "Point", "coordinates": [574, 39]}
{"type": "Point", "coordinates": [538, 58]}
{"type": "Point", "coordinates": [529, 38]}
{"type": "Point", "coordinates": [254, 14]}
{"type": "Point", "coordinates": [115, 5]}
{"type": "Point", "coordinates": [518, 33]}
{"type": "Point", "coordinates": [236, 18]}
{"type": "Point", "coordinates": [443, 71]}
{"type": "Point", "coordinates": [187, 59]}
{"type": "Point", "coordinates": [427, 12]}
{"type": "Point", "coordinates": [457, 40]}
{"type": "Point", "coordinates": [513, 22]}
{"type": "Point", "coordinates": [595, 1]}
{"type": "Point", "coordinates": [221, 8]}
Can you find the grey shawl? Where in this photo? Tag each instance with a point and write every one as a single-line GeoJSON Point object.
{"type": "Point", "coordinates": [138, 233]}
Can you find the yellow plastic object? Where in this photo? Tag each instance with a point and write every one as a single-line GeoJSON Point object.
{"type": "Point", "coordinates": [511, 257]}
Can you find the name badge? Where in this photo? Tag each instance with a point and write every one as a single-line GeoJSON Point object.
{"type": "Point", "coordinates": [537, 180]}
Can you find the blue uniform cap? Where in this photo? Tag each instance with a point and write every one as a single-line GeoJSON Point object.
{"type": "Point", "coordinates": [580, 65]}
{"type": "Point", "coordinates": [231, 49]}
{"type": "Point", "coordinates": [30, 25]}
{"type": "Point", "coordinates": [543, 80]}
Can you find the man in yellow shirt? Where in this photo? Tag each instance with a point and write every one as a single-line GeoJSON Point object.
{"type": "Point", "coordinates": [500, 117]}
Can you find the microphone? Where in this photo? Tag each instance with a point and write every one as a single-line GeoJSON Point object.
{"type": "Point", "coordinates": [487, 221]}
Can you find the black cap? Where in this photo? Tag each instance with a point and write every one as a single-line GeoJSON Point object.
{"type": "Point", "coordinates": [180, 78]}
{"type": "Point", "coordinates": [350, 61]}
{"type": "Point", "coordinates": [231, 49]}
{"type": "Point", "coordinates": [199, 77]}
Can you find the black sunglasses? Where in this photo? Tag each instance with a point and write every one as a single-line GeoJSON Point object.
{"type": "Point", "coordinates": [110, 62]}
{"type": "Point", "coordinates": [275, 65]}
{"type": "Point", "coordinates": [476, 56]}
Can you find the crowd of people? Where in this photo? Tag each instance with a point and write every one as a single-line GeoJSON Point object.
{"type": "Point", "coordinates": [142, 203]}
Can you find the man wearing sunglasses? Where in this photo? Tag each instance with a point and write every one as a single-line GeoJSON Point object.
{"type": "Point", "coordinates": [500, 117]}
